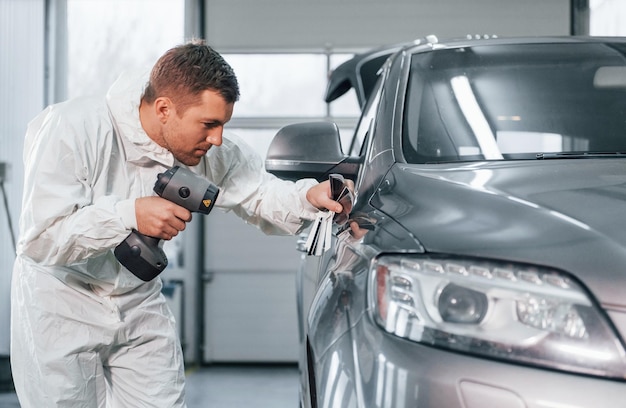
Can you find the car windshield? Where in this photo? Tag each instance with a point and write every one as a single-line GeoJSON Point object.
{"type": "Point", "coordinates": [508, 102]}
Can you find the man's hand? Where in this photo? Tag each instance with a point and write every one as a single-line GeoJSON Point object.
{"type": "Point", "coordinates": [320, 196]}
{"type": "Point", "coordinates": [160, 218]}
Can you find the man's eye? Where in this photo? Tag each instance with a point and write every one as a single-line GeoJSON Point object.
{"type": "Point", "coordinates": [210, 125]}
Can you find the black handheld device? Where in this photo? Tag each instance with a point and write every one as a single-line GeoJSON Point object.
{"type": "Point", "coordinates": [142, 255]}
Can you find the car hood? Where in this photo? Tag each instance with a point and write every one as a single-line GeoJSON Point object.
{"type": "Point", "coordinates": [567, 214]}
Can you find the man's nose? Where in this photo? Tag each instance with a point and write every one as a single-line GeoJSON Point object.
{"type": "Point", "coordinates": [215, 137]}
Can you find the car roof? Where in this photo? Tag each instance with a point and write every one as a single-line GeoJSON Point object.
{"type": "Point", "coordinates": [361, 71]}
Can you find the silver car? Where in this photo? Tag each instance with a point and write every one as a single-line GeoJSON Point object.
{"type": "Point", "coordinates": [483, 263]}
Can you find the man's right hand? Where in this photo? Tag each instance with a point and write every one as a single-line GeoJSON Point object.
{"type": "Point", "coordinates": [160, 218]}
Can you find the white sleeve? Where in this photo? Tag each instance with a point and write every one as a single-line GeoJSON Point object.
{"type": "Point", "coordinates": [274, 205]}
{"type": "Point", "coordinates": [62, 223]}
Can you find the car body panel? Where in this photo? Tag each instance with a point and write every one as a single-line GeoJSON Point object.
{"type": "Point", "coordinates": [561, 212]}
{"type": "Point", "coordinates": [365, 367]}
{"type": "Point", "coordinates": [550, 213]}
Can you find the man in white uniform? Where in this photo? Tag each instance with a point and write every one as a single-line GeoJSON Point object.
{"type": "Point", "coordinates": [85, 332]}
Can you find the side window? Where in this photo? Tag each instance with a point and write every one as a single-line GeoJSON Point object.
{"type": "Point", "coordinates": [365, 123]}
{"type": "Point", "coordinates": [363, 134]}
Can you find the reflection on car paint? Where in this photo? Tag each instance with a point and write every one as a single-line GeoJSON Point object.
{"type": "Point", "coordinates": [338, 394]}
{"type": "Point", "coordinates": [391, 384]}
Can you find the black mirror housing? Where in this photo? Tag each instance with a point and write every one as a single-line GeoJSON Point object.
{"type": "Point", "coordinates": [309, 150]}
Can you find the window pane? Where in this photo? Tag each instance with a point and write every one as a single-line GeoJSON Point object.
{"type": "Point", "coordinates": [606, 17]}
{"type": "Point", "coordinates": [106, 37]}
{"type": "Point", "coordinates": [280, 85]}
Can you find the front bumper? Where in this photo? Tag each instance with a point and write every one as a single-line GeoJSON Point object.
{"type": "Point", "coordinates": [369, 368]}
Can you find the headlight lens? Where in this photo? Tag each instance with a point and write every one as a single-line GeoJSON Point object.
{"type": "Point", "coordinates": [458, 304]}
{"type": "Point", "coordinates": [514, 312]}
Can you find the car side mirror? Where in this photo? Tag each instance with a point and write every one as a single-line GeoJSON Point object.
{"type": "Point", "coordinates": [309, 150]}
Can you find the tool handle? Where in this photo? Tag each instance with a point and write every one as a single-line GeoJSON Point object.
{"type": "Point", "coordinates": [142, 255]}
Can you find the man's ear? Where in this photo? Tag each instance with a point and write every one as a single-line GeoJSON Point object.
{"type": "Point", "coordinates": [163, 108]}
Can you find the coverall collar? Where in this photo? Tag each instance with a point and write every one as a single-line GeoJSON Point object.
{"type": "Point", "coordinates": [123, 99]}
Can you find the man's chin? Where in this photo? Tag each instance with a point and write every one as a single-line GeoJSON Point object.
{"type": "Point", "coordinates": [190, 161]}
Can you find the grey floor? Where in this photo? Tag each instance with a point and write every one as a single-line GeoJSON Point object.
{"type": "Point", "coordinates": [230, 386]}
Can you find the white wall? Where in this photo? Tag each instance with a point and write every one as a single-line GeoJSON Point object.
{"type": "Point", "coordinates": [357, 24]}
{"type": "Point", "coordinates": [250, 294]}
{"type": "Point", "coordinates": [22, 97]}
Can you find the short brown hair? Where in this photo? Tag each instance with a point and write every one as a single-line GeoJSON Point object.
{"type": "Point", "coordinates": [185, 71]}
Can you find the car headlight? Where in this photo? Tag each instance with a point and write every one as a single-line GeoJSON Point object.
{"type": "Point", "coordinates": [515, 312]}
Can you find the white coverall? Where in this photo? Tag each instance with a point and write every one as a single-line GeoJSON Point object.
{"type": "Point", "coordinates": [85, 332]}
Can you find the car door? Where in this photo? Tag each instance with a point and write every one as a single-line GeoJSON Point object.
{"type": "Point", "coordinates": [313, 268]}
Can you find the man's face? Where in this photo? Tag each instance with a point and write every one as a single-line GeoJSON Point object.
{"type": "Point", "coordinates": [191, 135]}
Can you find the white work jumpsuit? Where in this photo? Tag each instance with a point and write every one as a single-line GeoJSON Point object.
{"type": "Point", "coordinates": [85, 332]}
